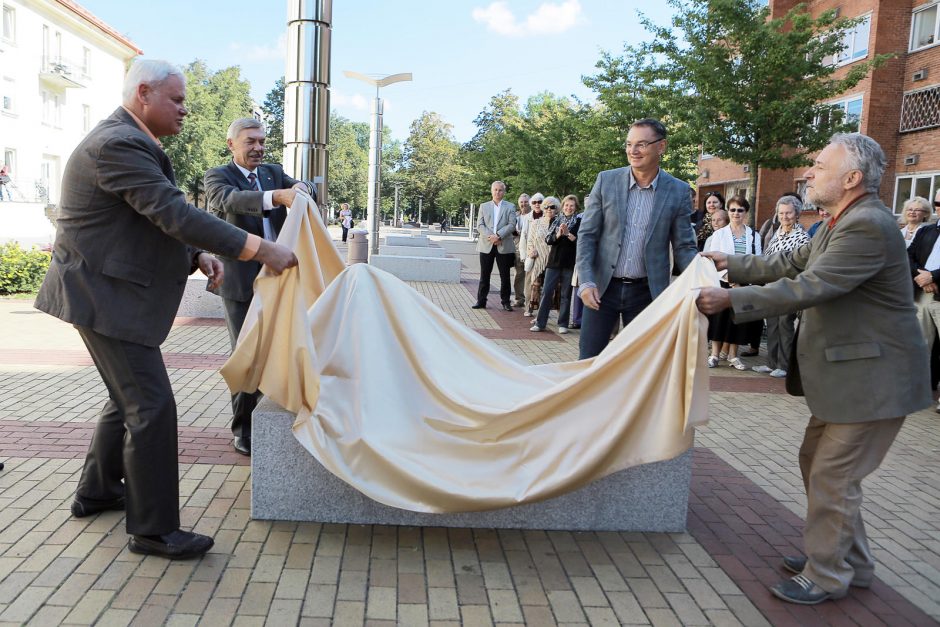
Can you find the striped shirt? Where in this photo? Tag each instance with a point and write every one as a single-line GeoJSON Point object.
{"type": "Point", "coordinates": [791, 241]}
{"type": "Point", "coordinates": [632, 260]}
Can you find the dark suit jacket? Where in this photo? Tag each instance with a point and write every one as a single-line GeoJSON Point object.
{"type": "Point", "coordinates": [601, 232]}
{"type": "Point", "coordinates": [861, 353]}
{"type": "Point", "coordinates": [120, 259]}
{"type": "Point", "coordinates": [919, 251]}
{"type": "Point", "coordinates": [230, 197]}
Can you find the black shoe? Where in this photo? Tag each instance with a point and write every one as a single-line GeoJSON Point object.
{"type": "Point", "coordinates": [796, 564]}
{"type": "Point", "coordinates": [507, 307]}
{"type": "Point", "coordinates": [802, 591]}
{"type": "Point", "coordinates": [478, 306]}
{"type": "Point", "coordinates": [748, 353]}
{"type": "Point", "coordinates": [86, 507]}
{"type": "Point", "coordinates": [176, 545]}
{"type": "Point", "coordinates": [242, 445]}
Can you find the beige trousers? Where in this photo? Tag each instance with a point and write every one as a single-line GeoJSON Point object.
{"type": "Point", "coordinates": [834, 458]}
{"type": "Point", "coordinates": [928, 314]}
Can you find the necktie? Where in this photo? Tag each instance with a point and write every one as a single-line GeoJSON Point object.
{"type": "Point", "coordinates": [253, 180]}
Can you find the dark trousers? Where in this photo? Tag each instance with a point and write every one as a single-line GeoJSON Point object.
{"type": "Point", "coordinates": [345, 233]}
{"type": "Point", "coordinates": [504, 262]}
{"type": "Point", "coordinates": [135, 438]}
{"type": "Point", "coordinates": [552, 277]}
{"type": "Point", "coordinates": [243, 403]}
{"type": "Point", "coordinates": [623, 300]}
{"type": "Point", "coordinates": [780, 332]}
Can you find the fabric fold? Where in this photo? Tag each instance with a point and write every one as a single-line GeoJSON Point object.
{"type": "Point", "coordinates": [417, 411]}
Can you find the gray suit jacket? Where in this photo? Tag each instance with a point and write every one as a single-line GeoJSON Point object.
{"type": "Point", "coordinates": [120, 259]}
{"type": "Point", "coordinates": [861, 353]}
{"type": "Point", "coordinates": [505, 228]}
{"type": "Point", "coordinates": [601, 233]}
{"type": "Point", "coordinates": [230, 197]}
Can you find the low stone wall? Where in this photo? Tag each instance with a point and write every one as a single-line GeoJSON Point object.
{"type": "Point", "coordinates": [288, 483]}
{"type": "Point", "coordinates": [407, 240]}
{"type": "Point", "coordinates": [409, 268]}
{"type": "Point", "coordinates": [413, 251]}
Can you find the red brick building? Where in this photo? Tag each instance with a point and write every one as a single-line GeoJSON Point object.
{"type": "Point", "coordinates": [898, 104]}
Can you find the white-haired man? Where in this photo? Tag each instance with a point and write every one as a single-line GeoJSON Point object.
{"type": "Point", "coordinates": [859, 346]}
{"type": "Point", "coordinates": [253, 196]}
{"type": "Point", "coordinates": [126, 240]}
{"type": "Point", "coordinates": [518, 279]}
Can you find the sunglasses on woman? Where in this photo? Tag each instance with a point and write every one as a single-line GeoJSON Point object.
{"type": "Point", "coordinates": [737, 210]}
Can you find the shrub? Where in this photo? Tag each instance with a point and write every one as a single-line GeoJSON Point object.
{"type": "Point", "coordinates": [21, 270]}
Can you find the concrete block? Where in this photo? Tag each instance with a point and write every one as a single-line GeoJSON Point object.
{"type": "Point", "coordinates": [407, 240]}
{"type": "Point", "coordinates": [433, 269]}
{"type": "Point", "coordinates": [288, 483]}
{"type": "Point", "coordinates": [413, 251]}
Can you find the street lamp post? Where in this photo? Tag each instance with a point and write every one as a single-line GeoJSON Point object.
{"type": "Point", "coordinates": [395, 220]}
{"type": "Point", "coordinates": [375, 149]}
{"type": "Point", "coordinates": [420, 200]}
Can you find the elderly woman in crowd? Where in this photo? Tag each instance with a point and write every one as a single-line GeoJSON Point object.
{"type": "Point", "coordinates": [915, 215]}
{"type": "Point", "coordinates": [780, 330]}
{"type": "Point", "coordinates": [537, 250]}
{"type": "Point", "coordinates": [735, 239]}
{"type": "Point", "coordinates": [526, 221]}
{"type": "Point", "coordinates": [714, 201]}
{"type": "Point", "coordinates": [562, 238]}
{"type": "Point", "coordinates": [719, 221]}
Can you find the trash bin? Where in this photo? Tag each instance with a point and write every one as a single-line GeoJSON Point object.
{"type": "Point", "coordinates": [358, 247]}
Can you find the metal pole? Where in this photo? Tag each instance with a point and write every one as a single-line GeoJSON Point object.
{"type": "Point", "coordinates": [307, 94]}
{"type": "Point", "coordinates": [420, 200]}
{"type": "Point", "coordinates": [375, 173]}
{"type": "Point", "coordinates": [395, 221]}
{"type": "Point", "coordinates": [470, 230]}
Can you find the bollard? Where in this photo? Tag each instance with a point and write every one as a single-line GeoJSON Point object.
{"type": "Point", "coordinates": [358, 247]}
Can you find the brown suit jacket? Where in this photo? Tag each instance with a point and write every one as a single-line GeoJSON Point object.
{"type": "Point", "coordinates": [126, 237]}
{"type": "Point", "coordinates": [861, 354]}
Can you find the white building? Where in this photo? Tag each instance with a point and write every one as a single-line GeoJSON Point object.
{"type": "Point", "coordinates": [61, 71]}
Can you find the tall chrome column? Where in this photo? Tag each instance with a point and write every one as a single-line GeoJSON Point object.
{"type": "Point", "coordinates": [307, 94]}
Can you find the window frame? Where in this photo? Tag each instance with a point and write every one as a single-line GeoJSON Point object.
{"type": "Point", "coordinates": [8, 82]}
{"type": "Point", "coordinates": [843, 102]}
{"type": "Point", "coordinates": [850, 58]}
{"type": "Point", "coordinates": [936, 27]}
{"type": "Point", "coordinates": [11, 11]}
{"type": "Point", "coordinates": [933, 175]}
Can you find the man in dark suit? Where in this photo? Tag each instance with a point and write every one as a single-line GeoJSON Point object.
{"type": "Point", "coordinates": [861, 360]}
{"type": "Point", "coordinates": [634, 215]}
{"type": "Point", "coordinates": [126, 240]}
{"type": "Point", "coordinates": [253, 196]}
{"type": "Point", "coordinates": [924, 258]}
{"type": "Point", "coordinates": [496, 225]}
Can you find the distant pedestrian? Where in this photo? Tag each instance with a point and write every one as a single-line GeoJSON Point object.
{"type": "Point", "coordinates": [345, 219]}
{"type": "Point", "coordinates": [444, 224]}
{"type": "Point", "coordinates": [5, 183]}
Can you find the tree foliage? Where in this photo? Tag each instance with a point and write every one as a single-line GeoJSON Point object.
{"type": "Point", "coordinates": [214, 99]}
{"type": "Point", "coordinates": [429, 161]}
{"type": "Point", "coordinates": [273, 110]}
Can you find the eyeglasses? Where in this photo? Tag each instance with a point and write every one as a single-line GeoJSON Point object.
{"type": "Point", "coordinates": [936, 203]}
{"type": "Point", "coordinates": [551, 208]}
{"type": "Point", "coordinates": [535, 202]}
{"type": "Point", "coordinates": [737, 210]}
{"type": "Point", "coordinates": [642, 146]}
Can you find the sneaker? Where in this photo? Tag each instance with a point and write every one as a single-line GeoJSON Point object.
{"type": "Point", "coordinates": [535, 327]}
{"type": "Point", "coordinates": [527, 313]}
{"type": "Point", "coordinates": [796, 563]}
{"type": "Point", "coordinates": [712, 362]}
{"type": "Point", "coordinates": [803, 591]}
{"type": "Point", "coordinates": [722, 356]}
{"type": "Point", "coordinates": [762, 369]}
{"type": "Point", "coordinates": [737, 363]}
{"type": "Point", "coordinates": [778, 373]}
{"type": "Point", "coordinates": [562, 330]}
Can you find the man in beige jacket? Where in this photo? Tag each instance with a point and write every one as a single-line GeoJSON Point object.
{"type": "Point", "coordinates": [859, 346]}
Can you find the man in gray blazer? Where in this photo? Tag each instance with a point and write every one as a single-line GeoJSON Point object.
{"type": "Point", "coordinates": [633, 216]}
{"type": "Point", "coordinates": [859, 345]}
{"type": "Point", "coordinates": [496, 225]}
{"type": "Point", "coordinates": [253, 196]}
{"type": "Point", "coordinates": [126, 239]}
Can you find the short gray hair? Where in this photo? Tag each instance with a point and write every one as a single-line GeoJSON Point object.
{"type": "Point", "coordinates": [791, 200]}
{"type": "Point", "coordinates": [147, 71]}
{"type": "Point", "coordinates": [240, 125]}
{"type": "Point", "coordinates": [864, 155]}
{"type": "Point", "coordinates": [521, 196]}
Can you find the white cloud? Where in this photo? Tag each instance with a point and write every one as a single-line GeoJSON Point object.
{"type": "Point", "coordinates": [357, 102]}
{"type": "Point", "coordinates": [255, 52]}
{"type": "Point", "coordinates": [548, 18]}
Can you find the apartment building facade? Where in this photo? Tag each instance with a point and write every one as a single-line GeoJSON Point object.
{"type": "Point", "coordinates": [898, 104]}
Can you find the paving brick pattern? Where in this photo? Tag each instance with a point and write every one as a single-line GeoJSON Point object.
{"type": "Point", "coordinates": [746, 505]}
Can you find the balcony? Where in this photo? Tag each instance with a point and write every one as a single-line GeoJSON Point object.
{"type": "Point", "coordinates": [61, 73]}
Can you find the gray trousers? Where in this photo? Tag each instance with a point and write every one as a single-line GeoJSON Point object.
{"type": "Point", "coordinates": [243, 403]}
{"type": "Point", "coordinates": [518, 281]}
{"type": "Point", "coordinates": [834, 458]}
{"type": "Point", "coordinates": [780, 340]}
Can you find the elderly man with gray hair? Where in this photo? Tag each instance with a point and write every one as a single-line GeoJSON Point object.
{"type": "Point", "coordinates": [126, 239]}
{"type": "Point", "coordinates": [253, 196]}
{"type": "Point", "coordinates": [862, 359]}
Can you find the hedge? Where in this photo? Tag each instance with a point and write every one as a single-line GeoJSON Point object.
{"type": "Point", "coordinates": [21, 270]}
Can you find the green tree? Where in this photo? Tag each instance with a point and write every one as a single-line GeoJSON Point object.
{"type": "Point", "coordinates": [349, 163]}
{"type": "Point", "coordinates": [214, 99]}
{"type": "Point", "coordinates": [273, 110]}
{"type": "Point", "coordinates": [753, 88]}
{"type": "Point", "coordinates": [429, 157]}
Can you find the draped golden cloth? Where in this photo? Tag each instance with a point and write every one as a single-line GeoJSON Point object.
{"type": "Point", "coordinates": [419, 412]}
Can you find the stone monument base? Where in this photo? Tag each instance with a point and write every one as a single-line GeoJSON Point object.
{"type": "Point", "coordinates": [288, 483]}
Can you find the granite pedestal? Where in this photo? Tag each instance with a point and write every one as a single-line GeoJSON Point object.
{"type": "Point", "coordinates": [413, 251]}
{"type": "Point", "coordinates": [288, 483]}
{"type": "Point", "coordinates": [410, 268]}
{"type": "Point", "coordinates": [407, 240]}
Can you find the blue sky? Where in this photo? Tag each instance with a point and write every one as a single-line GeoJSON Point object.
{"type": "Point", "coordinates": [461, 52]}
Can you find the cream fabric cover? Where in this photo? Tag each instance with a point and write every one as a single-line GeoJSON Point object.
{"type": "Point", "coordinates": [417, 411]}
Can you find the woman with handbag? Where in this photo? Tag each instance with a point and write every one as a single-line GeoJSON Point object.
{"type": "Point", "coordinates": [562, 238]}
{"type": "Point", "coordinates": [537, 250]}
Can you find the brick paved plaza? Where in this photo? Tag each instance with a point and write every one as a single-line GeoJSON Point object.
{"type": "Point", "coordinates": [746, 510]}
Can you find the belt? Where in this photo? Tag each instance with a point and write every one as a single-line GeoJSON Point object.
{"type": "Point", "coordinates": [631, 280]}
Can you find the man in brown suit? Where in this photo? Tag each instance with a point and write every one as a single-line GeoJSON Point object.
{"type": "Point", "coordinates": [859, 345]}
{"type": "Point", "coordinates": [126, 239]}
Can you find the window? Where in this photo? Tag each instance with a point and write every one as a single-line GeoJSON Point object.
{"type": "Point", "coordinates": [920, 109]}
{"type": "Point", "coordinates": [86, 61]}
{"type": "Point", "coordinates": [924, 28]}
{"type": "Point", "coordinates": [848, 111]}
{"type": "Point", "coordinates": [51, 109]}
{"type": "Point", "coordinates": [9, 23]}
{"type": "Point", "coordinates": [86, 118]}
{"type": "Point", "coordinates": [923, 185]}
{"type": "Point", "coordinates": [854, 44]}
{"type": "Point", "coordinates": [9, 158]}
{"type": "Point", "coordinates": [9, 95]}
